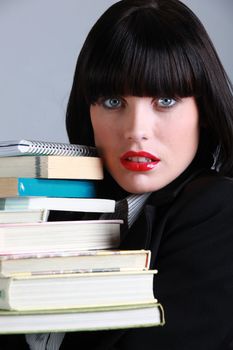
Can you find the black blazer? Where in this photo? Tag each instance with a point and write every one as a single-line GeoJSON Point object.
{"type": "Point", "coordinates": [189, 228]}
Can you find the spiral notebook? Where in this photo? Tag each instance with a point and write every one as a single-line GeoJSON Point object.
{"type": "Point", "coordinates": [28, 147]}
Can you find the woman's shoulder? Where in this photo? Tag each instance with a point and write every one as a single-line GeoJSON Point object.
{"type": "Point", "coordinates": [208, 195]}
{"type": "Point", "coordinates": [209, 186]}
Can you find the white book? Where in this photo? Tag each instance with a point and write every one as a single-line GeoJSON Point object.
{"type": "Point", "coordinates": [64, 291]}
{"type": "Point", "coordinates": [82, 319]}
{"type": "Point", "coordinates": [59, 236]}
{"type": "Point", "coordinates": [92, 205]}
{"type": "Point", "coordinates": [74, 262]}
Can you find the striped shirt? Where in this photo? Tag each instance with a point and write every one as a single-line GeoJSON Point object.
{"type": "Point", "coordinates": [127, 209]}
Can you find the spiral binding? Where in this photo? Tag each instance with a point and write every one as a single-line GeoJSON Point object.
{"type": "Point", "coordinates": [59, 149]}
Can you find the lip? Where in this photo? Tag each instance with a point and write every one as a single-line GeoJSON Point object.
{"type": "Point", "coordinates": [139, 161]}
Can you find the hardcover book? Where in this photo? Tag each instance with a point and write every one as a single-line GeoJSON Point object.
{"type": "Point", "coordinates": [82, 319]}
{"type": "Point", "coordinates": [59, 236]}
{"type": "Point", "coordinates": [26, 187]}
{"type": "Point", "coordinates": [64, 291]}
{"type": "Point", "coordinates": [94, 205]}
{"type": "Point", "coordinates": [49, 167]}
{"type": "Point", "coordinates": [74, 262]}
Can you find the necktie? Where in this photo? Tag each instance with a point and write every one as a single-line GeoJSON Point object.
{"type": "Point", "coordinates": [45, 341]}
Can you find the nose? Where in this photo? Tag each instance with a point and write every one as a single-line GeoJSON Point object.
{"type": "Point", "coordinates": [137, 123]}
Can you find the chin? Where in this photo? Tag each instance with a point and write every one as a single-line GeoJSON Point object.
{"type": "Point", "coordinates": [137, 189]}
{"type": "Point", "coordinates": [140, 183]}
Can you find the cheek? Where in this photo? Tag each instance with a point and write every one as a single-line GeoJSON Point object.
{"type": "Point", "coordinates": [188, 123]}
{"type": "Point", "coordinates": [102, 135]}
{"type": "Point", "coordinates": [97, 126]}
{"type": "Point", "coordinates": [101, 127]}
{"type": "Point", "coordinates": [191, 134]}
{"type": "Point", "coordinates": [186, 133]}
{"type": "Point", "coordinates": [180, 138]}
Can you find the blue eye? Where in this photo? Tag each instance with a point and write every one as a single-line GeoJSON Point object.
{"type": "Point", "coordinates": [112, 103]}
{"type": "Point", "coordinates": [166, 102]}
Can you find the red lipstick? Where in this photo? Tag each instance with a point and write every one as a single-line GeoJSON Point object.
{"type": "Point", "coordinates": [139, 161]}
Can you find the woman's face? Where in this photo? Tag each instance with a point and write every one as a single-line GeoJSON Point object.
{"type": "Point", "coordinates": [145, 142]}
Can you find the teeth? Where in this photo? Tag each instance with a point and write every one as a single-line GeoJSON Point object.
{"type": "Point", "coordinates": [140, 159]}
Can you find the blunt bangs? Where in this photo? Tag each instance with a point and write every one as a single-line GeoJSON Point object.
{"type": "Point", "coordinates": [142, 59]}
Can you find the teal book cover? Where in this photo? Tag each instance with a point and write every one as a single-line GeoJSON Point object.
{"type": "Point", "coordinates": [56, 188]}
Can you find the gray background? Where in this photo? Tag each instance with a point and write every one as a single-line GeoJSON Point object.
{"type": "Point", "coordinates": [40, 41]}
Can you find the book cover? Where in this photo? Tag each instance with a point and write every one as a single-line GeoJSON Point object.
{"type": "Point", "coordinates": [26, 187]}
{"type": "Point", "coordinates": [52, 167]}
{"type": "Point", "coordinates": [59, 236]}
{"type": "Point", "coordinates": [32, 147]}
{"type": "Point", "coordinates": [91, 205]}
{"type": "Point", "coordinates": [74, 262]}
{"type": "Point", "coordinates": [82, 319]}
{"type": "Point", "coordinates": [76, 290]}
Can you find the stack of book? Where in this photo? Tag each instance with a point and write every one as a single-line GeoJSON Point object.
{"type": "Point", "coordinates": [65, 275]}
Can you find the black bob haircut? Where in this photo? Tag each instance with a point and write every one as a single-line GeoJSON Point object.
{"type": "Point", "coordinates": [155, 48]}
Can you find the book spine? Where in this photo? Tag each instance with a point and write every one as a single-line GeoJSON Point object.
{"type": "Point", "coordinates": [5, 293]}
{"type": "Point", "coordinates": [2, 203]}
{"type": "Point", "coordinates": [56, 188]}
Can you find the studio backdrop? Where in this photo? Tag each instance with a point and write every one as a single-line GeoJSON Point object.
{"type": "Point", "coordinates": [40, 42]}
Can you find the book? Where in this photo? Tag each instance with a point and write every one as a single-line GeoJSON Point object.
{"type": "Point", "coordinates": [64, 291]}
{"type": "Point", "coordinates": [20, 186]}
{"type": "Point", "coordinates": [94, 205]}
{"type": "Point", "coordinates": [52, 167]}
{"type": "Point", "coordinates": [32, 147]}
{"type": "Point", "coordinates": [59, 236]}
{"type": "Point", "coordinates": [82, 319]}
{"type": "Point", "coordinates": [74, 262]}
{"type": "Point", "coordinates": [23, 216]}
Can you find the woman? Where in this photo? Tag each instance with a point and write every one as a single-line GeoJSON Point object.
{"type": "Point", "coordinates": [150, 92]}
